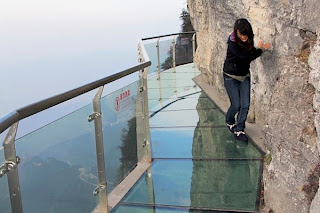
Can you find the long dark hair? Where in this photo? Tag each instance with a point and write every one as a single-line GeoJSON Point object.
{"type": "Point", "coordinates": [244, 28]}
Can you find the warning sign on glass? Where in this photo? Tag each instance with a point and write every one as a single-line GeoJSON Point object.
{"type": "Point", "coordinates": [123, 100]}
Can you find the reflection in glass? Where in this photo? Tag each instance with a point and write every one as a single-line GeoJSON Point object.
{"type": "Point", "coordinates": [119, 133]}
{"type": "Point", "coordinates": [227, 184]}
{"type": "Point", "coordinates": [217, 142]}
{"type": "Point", "coordinates": [58, 171]}
{"type": "Point", "coordinates": [210, 184]}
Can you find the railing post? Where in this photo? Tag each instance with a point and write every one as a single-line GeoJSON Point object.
{"type": "Point", "coordinates": [159, 69]}
{"type": "Point", "coordinates": [193, 52]}
{"type": "Point", "coordinates": [174, 64]}
{"type": "Point", "coordinates": [12, 169]}
{"type": "Point", "coordinates": [145, 110]}
{"type": "Point", "coordinates": [174, 54]}
{"type": "Point", "coordinates": [143, 127]}
{"type": "Point", "coordinates": [96, 116]}
{"type": "Point", "coordinates": [140, 123]}
{"type": "Point", "coordinates": [158, 58]}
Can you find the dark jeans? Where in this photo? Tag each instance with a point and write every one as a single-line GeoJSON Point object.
{"type": "Point", "coordinates": [239, 95]}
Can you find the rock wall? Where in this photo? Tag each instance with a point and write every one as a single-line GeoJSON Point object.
{"type": "Point", "coordinates": [314, 79]}
{"type": "Point", "coordinates": [285, 86]}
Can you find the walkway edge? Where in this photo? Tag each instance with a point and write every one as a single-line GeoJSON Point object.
{"type": "Point", "coordinates": [254, 131]}
{"type": "Point", "coordinates": [122, 189]}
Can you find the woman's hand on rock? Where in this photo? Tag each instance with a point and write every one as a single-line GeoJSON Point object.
{"type": "Point", "coordinates": [260, 44]}
{"type": "Point", "coordinates": [263, 46]}
{"type": "Point", "coordinates": [266, 46]}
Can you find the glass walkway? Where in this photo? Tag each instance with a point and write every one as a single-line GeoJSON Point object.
{"type": "Point", "coordinates": [196, 165]}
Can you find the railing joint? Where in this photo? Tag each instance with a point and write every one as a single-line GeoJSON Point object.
{"type": "Point", "coordinates": [145, 142]}
{"type": "Point", "coordinates": [3, 170]}
{"type": "Point", "coordinates": [93, 116]}
{"type": "Point", "coordinates": [98, 189]}
{"type": "Point", "coordinates": [8, 166]}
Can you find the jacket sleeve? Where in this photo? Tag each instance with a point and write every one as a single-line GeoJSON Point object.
{"type": "Point", "coordinates": [243, 53]}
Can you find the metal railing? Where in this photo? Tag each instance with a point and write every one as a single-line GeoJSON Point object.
{"type": "Point", "coordinates": [11, 121]}
{"type": "Point", "coordinates": [7, 120]}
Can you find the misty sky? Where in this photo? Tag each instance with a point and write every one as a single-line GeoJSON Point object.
{"type": "Point", "coordinates": [50, 46]}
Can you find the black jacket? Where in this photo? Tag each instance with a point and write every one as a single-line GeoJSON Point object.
{"type": "Point", "coordinates": [239, 58]}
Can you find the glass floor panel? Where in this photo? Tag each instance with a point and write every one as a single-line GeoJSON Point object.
{"type": "Point", "coordinates": [169, 74]}
{"type": "Point", "coordinates": [156, 104]}
{"type": "Point", "coordinates": [169, 92]}
{"type": "Point", "coordinates": [199, 184]}
{"type": "Point", "coordinates": [187, 118]}
{"type": "Point", "coordinates": [165, 83]}
{"type": "Point", "coordinates": [195, 93]}
{"type": "Point", "coordinates": [185, 108]}
{"type": "Point", "coordinates": [182, 72]}
{"type": "Point", "coordinates": [183, 103]}
{"type": "Point", "coordinates": [200, 143]}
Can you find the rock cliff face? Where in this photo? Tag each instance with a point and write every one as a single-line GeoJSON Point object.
{"type": "Point", "coordinates": [285, 86]}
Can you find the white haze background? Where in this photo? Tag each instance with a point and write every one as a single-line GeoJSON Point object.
{"type": "Point", "coordinates": [51, 46]}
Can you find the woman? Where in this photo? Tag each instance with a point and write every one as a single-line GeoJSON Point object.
{"type": "Point", "coordinates": [236, 74]}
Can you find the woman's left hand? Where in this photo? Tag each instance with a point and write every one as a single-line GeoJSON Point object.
{"type": "Point", "coordinates": [266, 46]}
{"type": "Point", "coordinates": [263, 46]}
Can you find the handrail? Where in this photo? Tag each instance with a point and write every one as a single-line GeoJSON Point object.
{"type": "Point", "coordinates": [183, 33]}
{"type": "Point", "coordinates": [9, 119]}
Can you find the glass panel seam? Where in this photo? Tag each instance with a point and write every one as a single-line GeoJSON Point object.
{"type": "Point", "coordinates": [183, 207]}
